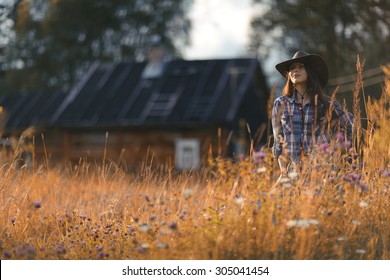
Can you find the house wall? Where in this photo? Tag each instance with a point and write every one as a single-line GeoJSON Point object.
{"type": "Point", "coordinates": [130, 148]}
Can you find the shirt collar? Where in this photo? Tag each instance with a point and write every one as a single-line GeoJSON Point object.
{"type": "Point", "coordinates": [293, 98]}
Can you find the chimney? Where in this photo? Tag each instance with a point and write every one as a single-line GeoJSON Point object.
{"type": "Point", "coordinates": [156, 59]}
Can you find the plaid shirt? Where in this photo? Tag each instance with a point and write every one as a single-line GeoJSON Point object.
{"type": "Point", "coordinates": [294, 128]}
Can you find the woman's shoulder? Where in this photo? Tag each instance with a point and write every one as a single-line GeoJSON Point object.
{"type": "Point", "coordinates": [336, 105]}
{"type": "Point", "coordinates": [281, 99]}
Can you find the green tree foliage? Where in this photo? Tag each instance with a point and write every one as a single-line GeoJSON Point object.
{"type": "Point", "coordinates": [337, 29]}
{"type": "Point", "coordinates": [55, 41]}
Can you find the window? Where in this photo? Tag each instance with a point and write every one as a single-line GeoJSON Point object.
{"type": "Point", "coordinates": [187, 154]}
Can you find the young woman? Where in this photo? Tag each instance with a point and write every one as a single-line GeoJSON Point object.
{"type": "Point", "coordinates": [300, 117]}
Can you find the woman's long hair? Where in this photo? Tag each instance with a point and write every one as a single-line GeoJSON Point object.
{"type": "Point", "coordinates": [313, 89]}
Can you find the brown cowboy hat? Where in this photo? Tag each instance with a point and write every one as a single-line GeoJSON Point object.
{"type": "Point", "coordinates": [316, 62]}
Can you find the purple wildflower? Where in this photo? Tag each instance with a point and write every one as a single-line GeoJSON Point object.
{"type": "Point", "coordinates": [60, 250]}
{"type": "Point", "coordinates": [173, 226]}
{"type": "Point", "coordinates": [102, 255]}
{"type": "Point", "coordinates": [328, 212]}
{"type": "Point", "coordinates": [345, 178]}
{"type": "Point", "coordinates": [182, 216]}
{"type": "Point", "coordinates": [347, 144]}
{"type": "Point", "coordinates": [131, 229]}
{"type": "Point", "coordinates": [355, 177]}
{"type": "Point", "coordinates": [274, 222]}
{"type": "Point", "coordinates": [13, 220]}
{"type": "Point", "coordinates": [7, 254]}
{"type": "Point", "coordinates": [259, 156]}
{"type": "Point", "coordinates": [152, 217]}
{"type": "Point", "coordinates": [324, 147]}
{"type": "Point", "coordinates": [339, 136]}
{"type": "Point", "coordinates": [37, 204]}
{"type": "Point", "coordinates": [25, 251]}
{"type": "Point", "coordinates": [363, 187]}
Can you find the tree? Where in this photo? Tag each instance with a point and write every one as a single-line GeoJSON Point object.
{"type": "Point", "coordinates": [57, 40]}
{"type": "Point", "coordinates": [337, 30]}
{"type": "Point", "coordinates": [7, 14]}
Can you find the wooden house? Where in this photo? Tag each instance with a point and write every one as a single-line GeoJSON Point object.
{"type": "Point", "coordinates": [172, 112]}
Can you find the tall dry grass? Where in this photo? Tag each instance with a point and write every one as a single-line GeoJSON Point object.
{"type": "Point", "coordinates": [336, 209]}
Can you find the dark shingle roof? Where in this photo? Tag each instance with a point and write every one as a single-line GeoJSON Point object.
{"type": "Point", "coordinates": [116, 94]}
{"type": "Point", "coordinates": [186, 92]}
{"type": "Point", "coordinates": [24, 110]}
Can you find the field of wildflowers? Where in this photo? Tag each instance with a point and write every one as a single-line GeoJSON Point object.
{"type": "Point", "coordinates": [338, 208]}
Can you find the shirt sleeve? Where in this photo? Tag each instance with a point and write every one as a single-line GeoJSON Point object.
{"type": "Point", "coordinates": [277, 147]}
{"type": "Point", "coordinates": [346, 120]}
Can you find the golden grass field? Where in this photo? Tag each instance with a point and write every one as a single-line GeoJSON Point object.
{"type": "Point", "coordinates": [338, 208]}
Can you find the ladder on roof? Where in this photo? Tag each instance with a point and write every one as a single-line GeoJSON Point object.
{"type": "Point", "coordinates": [160, 105]}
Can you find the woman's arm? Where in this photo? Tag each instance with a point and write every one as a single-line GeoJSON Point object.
{"type": "Point", "coordinates": [346, 120]}
{"type": "Point", "coordinates": [277, 147]}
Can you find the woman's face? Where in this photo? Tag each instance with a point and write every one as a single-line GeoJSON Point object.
{"type": "Point", "coordinates": [297, 73]}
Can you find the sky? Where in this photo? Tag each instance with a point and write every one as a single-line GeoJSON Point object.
{"type": "Point", "coordinates": [220, 29]}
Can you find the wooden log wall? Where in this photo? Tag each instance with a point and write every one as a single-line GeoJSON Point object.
{"type": "Point", "coordinates": [129, 148]}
